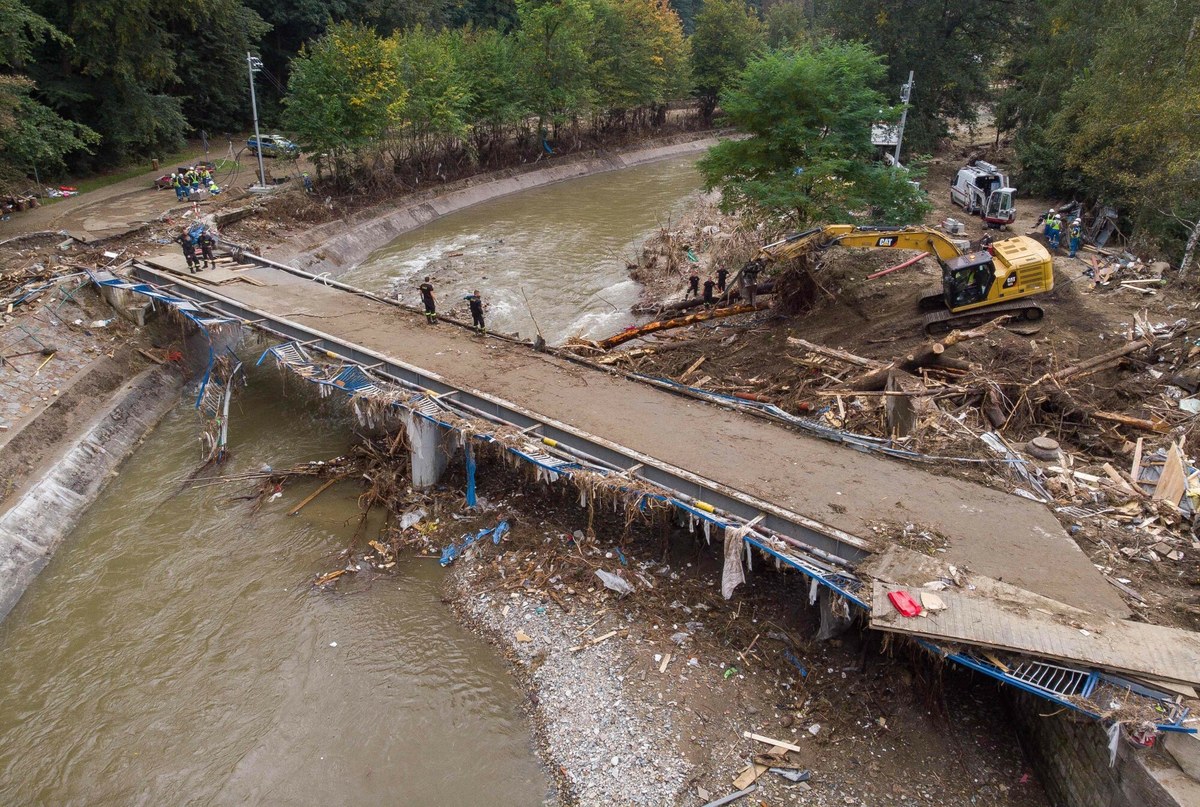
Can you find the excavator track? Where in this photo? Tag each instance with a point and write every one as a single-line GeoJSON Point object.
{"type": "Point", "coordinates": [942, 322]}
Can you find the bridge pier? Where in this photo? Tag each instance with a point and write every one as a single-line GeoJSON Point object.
{"type": "Point", "coordinates": [430, 450]}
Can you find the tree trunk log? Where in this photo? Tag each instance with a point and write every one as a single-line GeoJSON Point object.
{"type": "Point", "coordinates": [833, 353]}
{"type": "Point", "coordinates": [678, 322]}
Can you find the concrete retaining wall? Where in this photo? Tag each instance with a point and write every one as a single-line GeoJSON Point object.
{"type": "Point", "coordinates": [1070, 755]}
{"type": "Point", "coordinates": [340, 245]}
{"type": "Point", "coordinates": [50, 507]}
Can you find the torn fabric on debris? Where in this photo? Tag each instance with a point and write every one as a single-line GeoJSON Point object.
{"type": "Point", "coordinates": [733, 575]}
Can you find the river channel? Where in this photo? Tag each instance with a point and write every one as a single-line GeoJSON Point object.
{"type": "Point", "coordinates": [555, 255]}
{"type": "Point", "coordinates": [174, 652]}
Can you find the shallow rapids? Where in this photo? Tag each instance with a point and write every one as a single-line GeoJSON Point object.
{"type": "Point", "coordinates": [551, 259]}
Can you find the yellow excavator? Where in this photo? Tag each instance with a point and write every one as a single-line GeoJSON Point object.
{"type": "Point", "coordinates": [977, 285]}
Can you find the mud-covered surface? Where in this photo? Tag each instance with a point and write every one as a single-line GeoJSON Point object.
{"type": "Point", "coordinates": [643, 698]}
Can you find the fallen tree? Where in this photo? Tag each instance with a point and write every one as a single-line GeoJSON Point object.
{"type": "Point", "coordinates": [678, 322]}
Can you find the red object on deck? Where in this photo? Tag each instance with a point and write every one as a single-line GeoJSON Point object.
{"type": "Point", "coordinates": [903, 602]}
{"type": "Point", "coordinates": [898, 266]}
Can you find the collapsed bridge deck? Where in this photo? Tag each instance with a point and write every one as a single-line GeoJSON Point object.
{"type": "Point", "coordinates": [847, 502]}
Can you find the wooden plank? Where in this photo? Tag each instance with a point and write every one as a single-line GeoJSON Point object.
{"type": "Point", "coordinates": [1173, 482]}
{"type": "Point", "coordinates": [833, 353]}
{"type": "Point", "coordinates": [1025, 625]}
{"type": "Point", "coordinates": [749, 735]}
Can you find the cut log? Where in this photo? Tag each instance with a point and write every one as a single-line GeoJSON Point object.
{"type": "Point", "coordinates": [833, 353]}
{"type": "Point", "coordinates": [1096, 361]}
{"type": "Point", "coordinates": [678, 322]}
{"type": "Point", "coordinates": [931, 352]}
{"type": "Point", "coordinates": [1157, 426]}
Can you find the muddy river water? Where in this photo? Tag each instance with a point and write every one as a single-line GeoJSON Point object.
{"type": "Point", "coordinates": [173, 651]}
{"type": "Point", "coordinates": [551, 258]}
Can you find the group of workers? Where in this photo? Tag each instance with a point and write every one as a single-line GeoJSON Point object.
{"type": "Point", "coordinates": [474, 304]}
{"type": "Point", "coordinates": [190, 180]}
{"type": "Point", "coordinates": [206, 243]}
{"type": "Point", "coordinates": [1052, 229]}
{"type": "Point", "coordinates": [749, 284]}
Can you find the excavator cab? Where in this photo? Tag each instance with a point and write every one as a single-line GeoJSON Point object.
{"type": "Point", "coordinates": [1000, 208]}
{"type": "Point", "coordinates": [967, 280]}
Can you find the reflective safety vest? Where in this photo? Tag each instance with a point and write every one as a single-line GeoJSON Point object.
{"type": "Point", "coordinates": [1076, 231]}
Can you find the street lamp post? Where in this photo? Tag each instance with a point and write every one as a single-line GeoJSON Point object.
{"type": "Point", "coordinates": [905, 94]}
{"type": "Point", "coordinates": [255, 64]}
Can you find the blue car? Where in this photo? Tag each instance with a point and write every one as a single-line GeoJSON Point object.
{"type": "Point", "coordinates": [273, 146]}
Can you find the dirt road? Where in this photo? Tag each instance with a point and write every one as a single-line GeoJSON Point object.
{"type": "Point", "coordinates": [121, 207]}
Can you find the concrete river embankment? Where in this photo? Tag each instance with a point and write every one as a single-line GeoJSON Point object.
{"type": "Point", "coordinates": [174, 652]}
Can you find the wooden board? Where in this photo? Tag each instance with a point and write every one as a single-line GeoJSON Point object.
{"type": "Point", "coordinates": [1028, 627]}
{"type": "Point", "coordinates": [1173, 481]}
{"type": "Point", "coordinates": [905, 567]}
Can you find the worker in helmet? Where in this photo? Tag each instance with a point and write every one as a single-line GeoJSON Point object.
{"type": "Point", "coordinates": [1049, 222]}
{"type": "Point", "coordinates": [1056, 228]}
{"type": "Point", "coordinates": [1075, 233]}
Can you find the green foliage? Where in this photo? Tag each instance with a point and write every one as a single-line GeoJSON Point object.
{"type": "Point", "coordinates": [952, 47]}
{"type": "Point", "coordinates": [131, 68]}
{"type": "Point", "coordinates": [1105, 104]}
{"type": "Point", "coordinates": [789, 23]}
{"type": "Point", "coordinates": [552, 45]}
{"type": "Point", "coordinates": [438, 97]}
{"type": "Point", "coordinates": [31, 134]}
{"type": "Point", "coordinates": [488, 65]}
{"type": "Point", "coordinates": [639, 56]}
{"type": "Point", "coordinates": [345, 92]}
{"type": "Point", "coordinates": [686, 11]}
{"type": "Point", "coordinates": [727, 35]}
{"type": "Point", "coordinates": [809, 156]}
{"type": "Point", "coordinates": [211, 66]}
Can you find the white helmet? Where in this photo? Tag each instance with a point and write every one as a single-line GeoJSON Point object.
{"type": "Point", "coordinates": [1051, 211]}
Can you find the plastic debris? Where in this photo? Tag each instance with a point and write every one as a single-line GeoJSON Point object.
{"type": "Point", "coordinates": [904, 603]}
{"type": "Point", "coordinates": [614, 582]}
{"type": "Point", "coordinates": [792, 775]}
{"type": "Point", "coordinates": [410, 518]}
{"type": "Point", "coordinates": [454, 551]}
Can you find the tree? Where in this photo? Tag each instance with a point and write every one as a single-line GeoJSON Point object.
{"type": "Point", "coordinates": [123, 75]}
{"type": "Point", "coordinates": [552, 43]}
{"type": "Point", "coordinates": [953, 49]}
{"type": "Point", "coordinates": [345, 92]}
{"type": "Point", "coordinates": [727, 35]}
{"type": "Point", "coordinates": [809, 156]}
{"type": "Point", "coordinates": [438, 98]}
{"type": "Point", "coordinates": [639, 57]}
{"type": "Point", "coordinates": [495, 103]}
{"type": "Point", "coordinates": [32, 136]}
{"type": "Point", "coordinates": [212, 65]}
{"type": "Point", "coordinates": [788, 23]}
{"type": "Point", "coordinates": [1134, 148]}
{"type": "Point", "coordinates": [1056, 41]}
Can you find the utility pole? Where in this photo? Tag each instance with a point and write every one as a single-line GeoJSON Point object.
{"type": "Point", "coordinates": [905, 94]}
{"type": "Point", "coordinates": [255, 64]}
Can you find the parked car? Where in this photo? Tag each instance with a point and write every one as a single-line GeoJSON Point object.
{"type": "Point", "coordinates": [273, 146]}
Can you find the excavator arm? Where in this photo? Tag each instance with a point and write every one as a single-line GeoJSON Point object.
{"type": "Point", "coordinates": [847, 235]}
{"type": "Point", "coordinates": [996, 279]}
